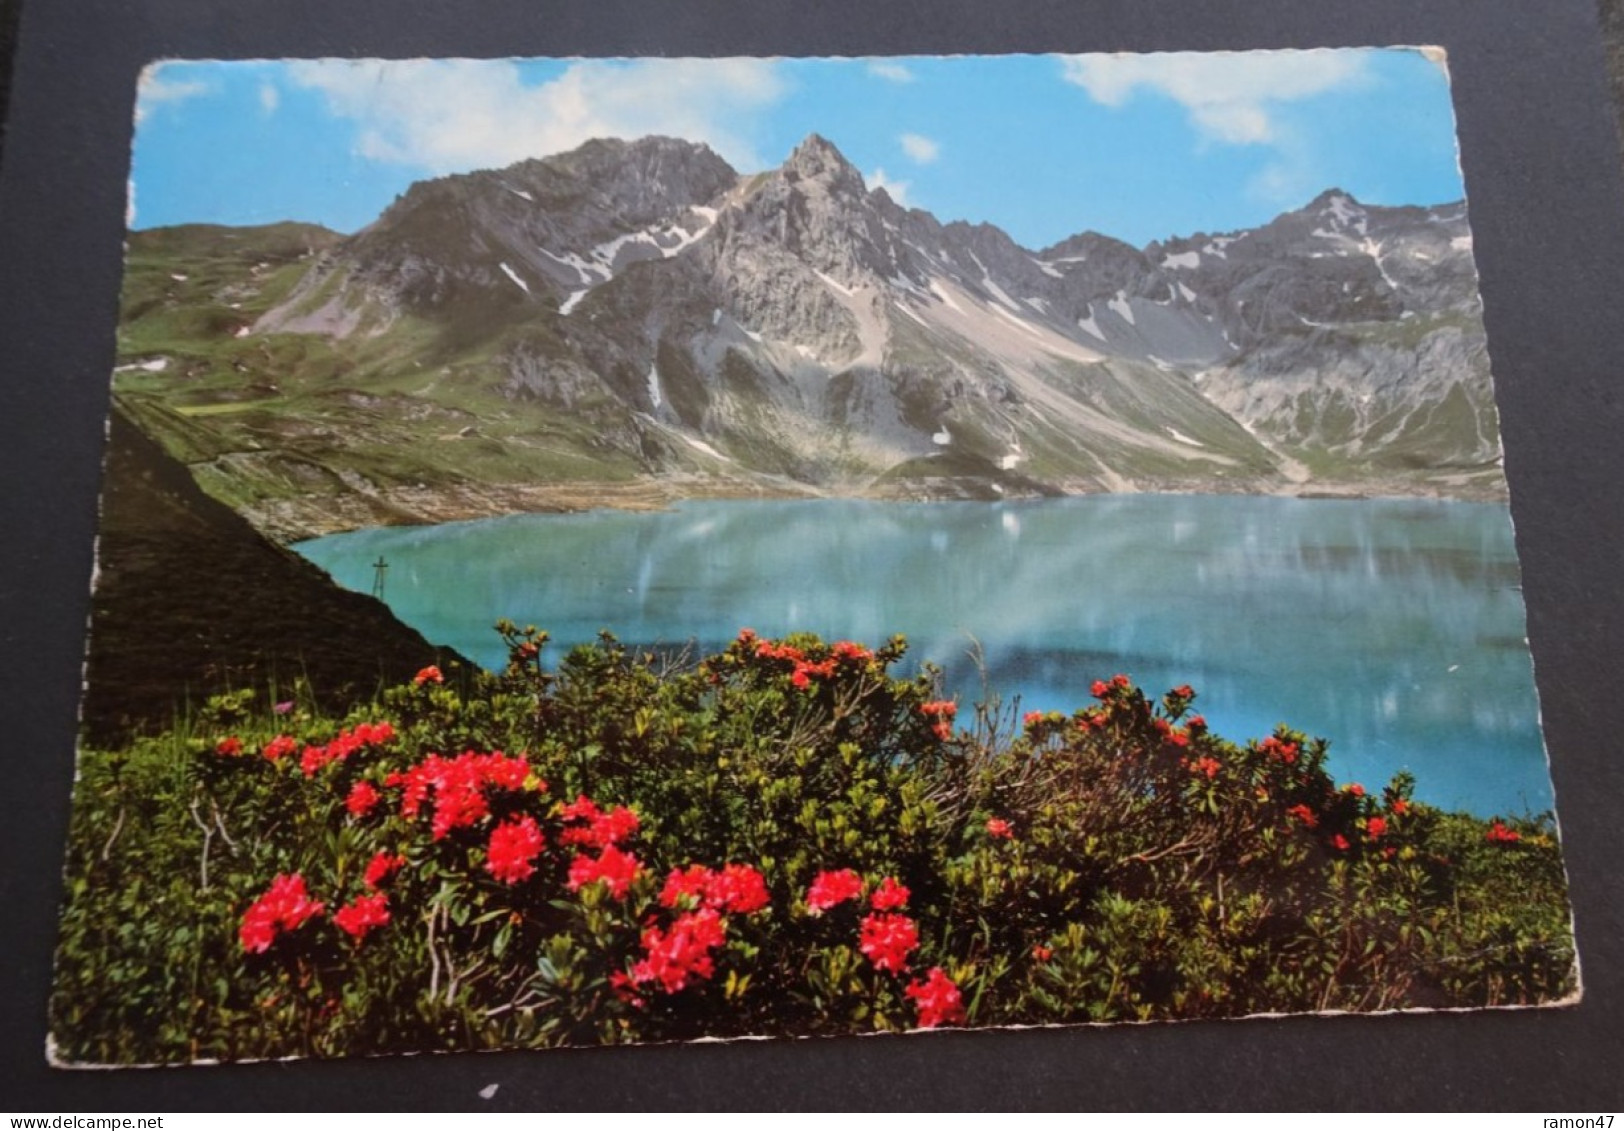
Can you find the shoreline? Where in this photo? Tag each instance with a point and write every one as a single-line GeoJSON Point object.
{"type": "Point", "coordinates": [287, 521]}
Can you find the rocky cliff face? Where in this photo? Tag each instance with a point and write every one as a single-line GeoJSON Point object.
{"type": "Point", "coordinates": [795, 327]}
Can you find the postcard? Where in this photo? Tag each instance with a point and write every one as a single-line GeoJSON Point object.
{"type": "Point", "coordinates": [601, 551]}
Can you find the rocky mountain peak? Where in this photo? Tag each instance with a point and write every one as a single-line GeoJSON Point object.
{"type": "Point", "coordinates": [816, 159]}
{"type": "Point", "coordinates": [1339, 212]}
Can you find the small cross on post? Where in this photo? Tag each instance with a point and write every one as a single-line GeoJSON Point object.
{"type": "Point", "coordinates": [377, 576]}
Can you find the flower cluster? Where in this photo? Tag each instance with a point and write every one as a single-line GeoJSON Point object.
{"type": "Point", "coordinates": [1170, 732]}
{"type": "Point", "coordinates": [736, 888]}
{"type": "Point", "coordinates": [889, 896]}
{"type": "Point", "coordinates": [1499, 834]}
{"type": "Point", "coordinates": [887, 940]}
{"type": "Point", "coordinates": [938, 1000]}
{"type": "Point", "coordinates": [602, 828]}
{"type": "Point", "coordinates": [380, 868]}
{"type": "Point", "coordinates": [803, 668]}
{"type": "Point", "coordinates": [362, 915]}
{"type": "Point", "coordinates": [1000, 829]}
{"type": "Point", "coordinates": [617, 870]}
{"type": "Point", "coordinates": [1100, 689]}
{"type": "Point", "coordinates": [287, 906]}
{"type": "Point", "coordinates": [348, 742]}
{"type": "Point", "coordinates": [1206, 764]}
{"type": "Point", "coordinates": [513, 848]}
{"type": "Point", "coordinates": [830, 889]}
{"type": "Point", "coordinates": [362, 797]}
{"type": "Point", "coordinates": [458, 786]}
{"type": "Point", "coordinates": [850, 652]}
{"type": "Point", "coordinates": [279, 747]}
{"type": "Point", "coordinates": [942, 710]}
{"type": "Point", "coordinates": [1280, 749]}
{"type": "Point", "coordinates": [671, 958]}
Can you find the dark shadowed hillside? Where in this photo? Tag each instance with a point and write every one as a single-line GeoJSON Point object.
{"type": "Point", "coordinates": [191, 601]}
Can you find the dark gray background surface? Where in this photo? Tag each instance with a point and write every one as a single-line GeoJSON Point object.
{"type": "Point", "coordinates": [1547, 210]}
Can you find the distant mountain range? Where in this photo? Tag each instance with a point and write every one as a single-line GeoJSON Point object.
{"type": "Point", "coordinates": [635, 320]}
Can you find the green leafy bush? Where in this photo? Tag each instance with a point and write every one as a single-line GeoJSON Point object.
{"type": "Point", "coordinates": [780, 839]}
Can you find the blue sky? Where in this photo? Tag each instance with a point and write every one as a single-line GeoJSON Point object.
{"type": "Point", "coordinates": [1140, 147]}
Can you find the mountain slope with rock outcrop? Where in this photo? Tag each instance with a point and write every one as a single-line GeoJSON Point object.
{"type": "Point", "coordinates": [637, 320]}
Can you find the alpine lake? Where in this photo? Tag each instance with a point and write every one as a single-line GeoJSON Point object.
{"type": "Point", "coordinates": [1393, 628]}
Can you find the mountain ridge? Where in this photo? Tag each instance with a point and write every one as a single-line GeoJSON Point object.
{"type": "Point", "coordinates": [644, 312]}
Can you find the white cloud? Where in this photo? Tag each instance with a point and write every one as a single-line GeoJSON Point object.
{"type": "Point", "coordinates": [453, 115]}
{"type": "Point", "coordinates": [896, 190]}
{"type": "Point", "coordinates": [269, 98]}
{"type": "Point", "coordinates": [1228, 95]}
{"type": "Point", "coordinates": [920, 148]}
{"type": "Point", "coordinates": [889, 70]}
{"type": "Point", "coordinates": [159, 86]}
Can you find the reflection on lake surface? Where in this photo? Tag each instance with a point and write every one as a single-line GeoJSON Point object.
{"type": "Point", "coordinates": [1395, 628]}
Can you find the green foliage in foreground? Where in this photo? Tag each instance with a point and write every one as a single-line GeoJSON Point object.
{"type": "Point", "coordinates": [782, 839]}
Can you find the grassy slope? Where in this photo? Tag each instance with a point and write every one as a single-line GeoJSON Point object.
{"type": "Point", "coordinates": [190, 601]}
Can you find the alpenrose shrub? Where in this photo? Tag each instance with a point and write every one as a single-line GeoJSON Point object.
{"type": "Point", "coordinates": [781, 839]}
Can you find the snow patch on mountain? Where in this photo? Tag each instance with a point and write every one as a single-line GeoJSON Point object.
{"type": "Point", "coordinates": [1121, 307]}
{"type": "Point", "coordinates": [514, 275]}
{"type": "Point", "coordinates": [590, 273]}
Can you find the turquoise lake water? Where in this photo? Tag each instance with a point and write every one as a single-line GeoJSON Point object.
{"type": "Point", "coordinates": [1394, 628]}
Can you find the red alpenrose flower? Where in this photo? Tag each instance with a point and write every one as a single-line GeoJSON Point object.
{"type": "Point", "coordinates": [618, 870]}
{"type": "Point", "coordinates": [361, 799]}
{"type": "Point", "coordinates": [1500, 834]}
{"type": "Point", "coordinates": [430, 674]}
{"type": "Point", "coordinates": [938, 999]}
{"type": "Point", "coordinates": [683, 953]}
{"type": "Point", "coordinates": [887, 940]}
{"type": "Point", "coordinates": [279, 747]}
{"type": "Point", "coordinates": [602, 828]}
{"type": "Point", "coordinates": [361, 916]}
{"type": "Point", "coordinates": [686, 884]}
{"type": "Point", "coordinates": [737, 888]}
{"type": "Point", "coordinates": [832, 888]}
{"type": "Point", "coordinates": [380, 868]}
{"type": "Point", "coordinates": [889, 896]}
{"type": "Point", "coordinates": [513, 847]}
{"type": "Point", "coordinates": [286, 906]}
{"type": "Point", "coordinates": [1000, 828]}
